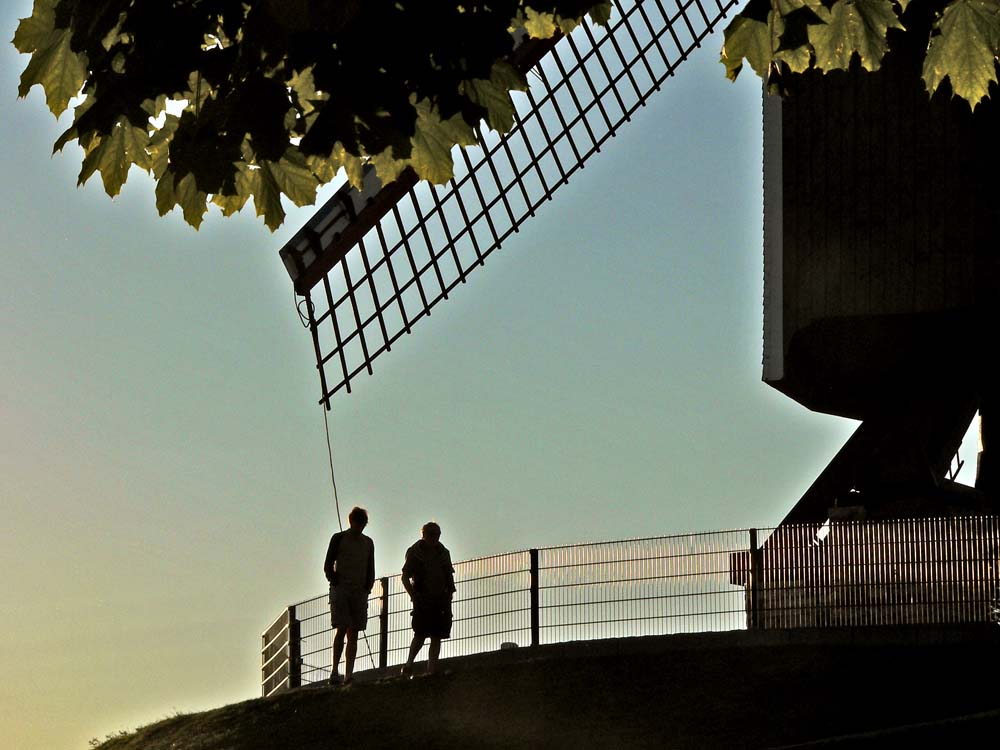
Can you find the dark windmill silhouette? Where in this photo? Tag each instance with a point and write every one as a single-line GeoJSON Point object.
{"type": "Point", "coordinates": [881, 281]}
{"type": "Point", "coordinates": [880, 274]}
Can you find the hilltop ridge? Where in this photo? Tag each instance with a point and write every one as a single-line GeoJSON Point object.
{"type": "Point", "coordinates": [713, 690]}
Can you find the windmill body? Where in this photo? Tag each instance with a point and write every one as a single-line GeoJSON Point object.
{"type": "Point", "coordinates": [882, 278]}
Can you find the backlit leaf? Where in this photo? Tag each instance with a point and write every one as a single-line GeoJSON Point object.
{"type": "Point", "coordinates": [539, 25]}
{"type": "Point", "coordinates": [159, 145]}
{"type": "Point", "coordinates": [965, 50]}
{"type": "Point", "coordinates": [192, 201]}
{"type": "Point", "coordinates": [494, 99]}
{"type": "Point", "coordinates": [855, 27]}
{"type": "Point", "coordinates": [246, 186]}
{"type": "Point", "coordinates": [114, 154]}
{"type": "Point", "coordinates": [433, 141]}
{"type": "Point", "coordinates": [34, 32]}
{"type": "Point", "coordinates": [294, 178]}
{"type": "Point", "coordinates": [386, 167]}
{"type": "Point", "coordinates": [166, 199]}
{"type": "Point", "coordinates": [58, 69]}
{"type": "Point", "coordinates": [601, 13]}
{"type": "Point", "coordinates": [267, 199]}
{"type": "Point", "coordinates": [787, 7]}
{"type": "Point", "coordinates": [747, 39]}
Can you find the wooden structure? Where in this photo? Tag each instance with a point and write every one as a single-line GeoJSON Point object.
{"type": "Point", "coordinates": [882, 279]}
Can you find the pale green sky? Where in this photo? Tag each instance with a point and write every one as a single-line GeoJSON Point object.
{"type": "Point", "coordinates": [163, 473]}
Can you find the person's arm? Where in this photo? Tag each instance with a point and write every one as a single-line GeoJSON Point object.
{"type": "Point", "coordinates": [408, 585]}
{"type": "Point", "coordinates": [370, 573]}
{"type": "Point", "coordinates": [330, 564]}
{"type": "Point", "coordinates": [407, 576]}
{"type": "Point", "coordinates": [451, 576]}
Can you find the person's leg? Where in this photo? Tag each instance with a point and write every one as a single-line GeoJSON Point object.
{"type": "Point", "coordinates": [415, 645]}
{"type": "Point", "coordinates": [432, 655]}
{"type": "Point", "coordinates": [338, 649]}
{"type": "Point", "coordinates": [352, 652]}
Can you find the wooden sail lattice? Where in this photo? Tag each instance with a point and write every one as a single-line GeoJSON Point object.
{"type": "Point", "coordinates": [371, 263]}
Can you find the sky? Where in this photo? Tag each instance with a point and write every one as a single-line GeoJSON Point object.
{"type": "Point", "coordinates": [164, 483]}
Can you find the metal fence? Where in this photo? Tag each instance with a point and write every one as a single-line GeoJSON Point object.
{"type": "Point", "coordinates": [835, 574]}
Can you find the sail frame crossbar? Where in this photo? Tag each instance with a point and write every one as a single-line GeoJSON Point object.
{"type": "Point", "coordinates": [429, 238]}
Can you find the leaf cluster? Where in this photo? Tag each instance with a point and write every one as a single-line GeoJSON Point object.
{"type": "Point", "coordinates": [961, 39]}
{"type": "Point", "coordinates": [227, 100]}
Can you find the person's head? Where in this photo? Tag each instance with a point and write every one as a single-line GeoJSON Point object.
{"type": "Point", "coordinates": [431, 531]}
{"type": "Point", "coordinates": [357, 518]}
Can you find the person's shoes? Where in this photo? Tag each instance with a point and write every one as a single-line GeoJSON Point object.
{"type": "Point", "coordinates": [336, 680]}
{"type": "Point", "coordinates": [406, 671]}
{"type": "Point", "coordinates": [347, 681]}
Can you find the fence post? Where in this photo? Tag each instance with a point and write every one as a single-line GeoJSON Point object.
{"type": "Point", "coordinates": [534, 597]}
{"type": "Point", "coordinates": [294, 651]}
{"type": "Point", "coordinates": [756, 572]}
{"type": "Point", "coordinates": [383, 622]}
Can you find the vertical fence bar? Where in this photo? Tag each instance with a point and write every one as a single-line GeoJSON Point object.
{"type": "Point", "coordinates": [756, 571]}
{"type": "Point", "coordinates": [535, 625]}
{"type": "Point", "coordinates": [383, 621]}
{"type": "Point", "coordinates": [294, 650]}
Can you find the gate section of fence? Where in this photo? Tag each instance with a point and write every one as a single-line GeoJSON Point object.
{"type": "Point", "coordinates": [279, 657]}
{"type": "Point", "coordinates": [835, 574]}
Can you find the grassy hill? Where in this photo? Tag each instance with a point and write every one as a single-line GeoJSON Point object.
{"type": "Point", "coordinates": [875, 687]}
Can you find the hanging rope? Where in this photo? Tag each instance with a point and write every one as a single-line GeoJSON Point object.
{"type": "Point", "coordinates": [336, 500]}
{"type": "Point", "coordinates": [333, 477]}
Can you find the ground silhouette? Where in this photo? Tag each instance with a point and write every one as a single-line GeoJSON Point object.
{"type": "Point", "coordinates": [833, 688]}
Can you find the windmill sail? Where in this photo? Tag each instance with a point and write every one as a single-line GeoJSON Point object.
{"type": "Point", "coordinates": [371, 263]}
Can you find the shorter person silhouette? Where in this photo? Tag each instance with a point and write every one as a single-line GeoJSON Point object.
{"type": "Point", "coordinates": [429, 579]}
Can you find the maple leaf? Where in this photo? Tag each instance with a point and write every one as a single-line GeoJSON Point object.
{"type": "Point", "coordinates": [192, 201]}
{"type": "Point", "coordinates": [267, 199]}
{"type": "Point", "coordinates": [34, 32]}
{"type": "Point", "coordinates": [433, 140]}
{"type": "Point", "coordinates": [965, 50]}
{"type": "Point", "coordinates": [113, 155]}
{"type": "Point", "coordinates": [246, 185]}
{"type": "Point", "coordinates": [746, 38]}
{"type": "Point", "coordinates": [854, 26]}
{"type": "Point", "coordinates": [166, 199]}
{"type": "Point", "coordinates": [539, 25]}
{"type": "Point", "coordinates": [493, 95]}
{"type": "Point", "coordinates": [59, 70]}
{"type": "Point", "coordinates": [158, 145]}
{"type": "Point", "coordinates": [600, 13]}
{"type": "Point", "coordinates": [326, 168]}
{"type": "Point", "coordinates": [292, 175]}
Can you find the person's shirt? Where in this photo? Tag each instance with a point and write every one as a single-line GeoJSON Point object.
{"type": "Point", "coordinates": [350, 561]}
{"type": "Point", "coordinates": [429, 565]}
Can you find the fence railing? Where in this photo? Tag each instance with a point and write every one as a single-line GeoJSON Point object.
{"type": "Point", "coordinates": [836, 574]}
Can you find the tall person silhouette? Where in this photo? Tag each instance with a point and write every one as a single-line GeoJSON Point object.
{"type": "Point", "coordinates": [350, 569]}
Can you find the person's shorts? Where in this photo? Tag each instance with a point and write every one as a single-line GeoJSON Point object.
{"type": "Point", "coordinates": [431, 617]}
{"type": "Point", "coordinates": [348, 607]}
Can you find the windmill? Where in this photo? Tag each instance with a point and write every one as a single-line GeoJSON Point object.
{"type": "Point", "coordinates": [839, 337]}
